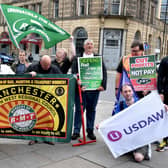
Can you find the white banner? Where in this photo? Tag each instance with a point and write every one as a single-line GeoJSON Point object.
{"type": "Point", "coordinates": [140, 124]}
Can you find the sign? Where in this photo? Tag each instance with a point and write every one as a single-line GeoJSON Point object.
{"type": "Point", "coordinates": [140, 124]}
{"type": "Point", "coordinates": [90, 72]}
{"type": "Point", "coordinates": [39, 108]}
{"type": "Point", "coordinates": [143, 72]}
{"type": "Point", "coordinates": [22, 22]}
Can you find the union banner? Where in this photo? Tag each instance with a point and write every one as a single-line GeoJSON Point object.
{"type": "Point", "coordinates": [38, 108]}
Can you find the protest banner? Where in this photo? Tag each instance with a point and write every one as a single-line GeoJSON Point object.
{"type": "Point", "coordinates": [143, 122]}
{"type": "Point", "coordinates": [143, 72]}
{"type": "Point", "coordinates": [38, 108]}
{"type": "Point", "coordinates": [21, 22]}
{"type": "Point", "coordinates": [90, 72]}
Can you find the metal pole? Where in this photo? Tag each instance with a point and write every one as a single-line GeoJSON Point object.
{"type": "Point", "coordinates": [164, 31]}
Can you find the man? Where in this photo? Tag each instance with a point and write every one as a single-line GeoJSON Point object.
{"type": "Point", "coordinates": [162, 86]}
{"type": "Point", "coordinates": [20, 66]}
{"type": "Point", "coordinates": [141, 153]}
{"type": "Point", "coordinates": [62, 60]}
{"type": "Point", "coordinates": [43, 67]}
{"type": "Point", "coordinates": [136, 50]}
{"type": "Point", "coordinates": [90, 98]}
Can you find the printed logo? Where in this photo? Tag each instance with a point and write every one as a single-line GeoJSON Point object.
{"type": "Point", "coordinates": [114, 136]}
{"type": "Point", "coordinates": [143, 81]}
{"type": "Point", "coordinates": [22, 118]}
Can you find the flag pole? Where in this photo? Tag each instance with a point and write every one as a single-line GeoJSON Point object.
{"type": "Point", "coordinates": [82, 142]}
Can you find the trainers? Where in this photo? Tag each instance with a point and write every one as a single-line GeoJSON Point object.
{"type": "Point", "coordinates": [75, 136]}
{"type": "Point", "coordinates": [162, 146]}
{"type": "Point", "coordinates": [91, 136]}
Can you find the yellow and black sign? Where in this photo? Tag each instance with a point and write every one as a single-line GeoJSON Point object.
{"type": "Point", "coordinates": [39, 108]}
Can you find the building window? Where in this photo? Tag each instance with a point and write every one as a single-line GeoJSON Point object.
{"type": "Point", "coordinates": [81, 7]}
{"type": "Point", "coordinates": [115, 6]}
{"type": "Point", "coordinates": [56, 8]}
{"type": "Point", "coordinates": [39, 8]}
{"type": "Point", "coordinates": [140, 7]}
{"type": "Point", "coordinates": [137, 36]}
{"type": "Point", "coordinates": [152, 15]}
{"type": "Point", "coordinates": [112, 7]}
{"type": "Point", "coordinates": [113, 43]}
{"type": "Point", "coordinates": [33, 7]}
{"type": "Point", "coordinates": [80, 35]}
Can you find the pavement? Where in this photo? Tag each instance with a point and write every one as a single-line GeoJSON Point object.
{"type": "Point", "coordinates": [18, 154]}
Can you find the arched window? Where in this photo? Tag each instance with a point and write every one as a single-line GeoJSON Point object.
{"type": "Point", "coordinates": [158, 43]}
{"type": "Point", "coordinates": [137, 35]}
{"type": "Point", "coordinates": [80, 36]}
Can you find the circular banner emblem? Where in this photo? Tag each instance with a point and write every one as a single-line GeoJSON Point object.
{"type": "Point", "coordinates": [22, 118]}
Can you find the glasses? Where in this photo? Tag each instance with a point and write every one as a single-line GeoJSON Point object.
{"type": "Point", "coordinates": [135, 51]}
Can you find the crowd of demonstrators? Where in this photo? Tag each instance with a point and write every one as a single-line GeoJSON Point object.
{"type": "Point", "coordinates": [21, 65]}
{"type": "Point", "coordinates": [62, 60]}
{"type": "Point", "coordinates": [89, 98]}
{"type": "Point", "coordinates": [44, 66]}
{"type": "Point", "coordinates": [141, 153]}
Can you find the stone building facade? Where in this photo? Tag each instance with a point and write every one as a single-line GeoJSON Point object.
{"type": "Point", "coordinates": [111, 24]}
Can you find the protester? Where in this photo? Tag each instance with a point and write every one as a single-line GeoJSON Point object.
{"type": "Point", "coordinates": [30, 57]}
{"type": "Point", "coordinates": [62, 60]}
{"type": "Point", "coordinates": [20, 66]}
{"type": "Point", "coordinates": [162, 86]}
{"type": "Point", "coordinates": [136, 50]}
{"type": "Point", "coordinates": [141, 153]}
{"type": "Point", "coordinates": [90, 98]}
{"type": "Point", "coordinates": [44, 66]}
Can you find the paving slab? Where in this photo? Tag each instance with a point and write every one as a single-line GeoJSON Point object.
{"type": "Point", "coordinates": [75, 162]}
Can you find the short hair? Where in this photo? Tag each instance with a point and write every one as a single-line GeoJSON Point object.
{"type": "Point", "coordinates": [138, 43]}
{"type": "Point", "coordinates": [88, 41]}
{"type": "Point", "coordinates": [126, 84]}
{"type": "Point", "coordinates": [63, 49]}
{"type": "Point", "coordinates": [22, 51]}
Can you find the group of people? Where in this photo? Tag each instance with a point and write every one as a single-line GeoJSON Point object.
{"type": "Point", "coordinates": [61, 65]}
{"type": "Point", "coordinates": [127, 92]}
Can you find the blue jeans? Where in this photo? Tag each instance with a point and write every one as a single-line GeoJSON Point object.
{"type": "Point", "coordinates": [90, 100]}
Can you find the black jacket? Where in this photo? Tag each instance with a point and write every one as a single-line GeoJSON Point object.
{"type": "Point", "coordinates": [162, 81]}
{"type": "Point", "coordinates": [75, 71]}
{"type": "Point", "coordinates": [38, 69]}
{"type": "Point", "coordinates": [66, 64]}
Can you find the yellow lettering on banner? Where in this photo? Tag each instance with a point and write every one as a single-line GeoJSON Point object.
{"type": "Point", "coordinates": [47, 96]}
{"type": "Point", "coordinates": [28, 89]}
{"type": "Point", "coordinates": [59, 82]}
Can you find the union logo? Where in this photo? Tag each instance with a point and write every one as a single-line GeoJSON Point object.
{"type": "Point", "coordinates": [22, 118]}
{"type": "Point", "coordinates": [114, 136]}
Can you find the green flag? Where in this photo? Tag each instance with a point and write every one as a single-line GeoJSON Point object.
{"type": "Point", "coordinates": [22, 22]}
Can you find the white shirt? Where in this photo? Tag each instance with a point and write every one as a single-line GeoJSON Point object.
{"type": "Point", "coordinates": [86, 55]}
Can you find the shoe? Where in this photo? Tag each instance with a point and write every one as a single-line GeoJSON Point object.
{"type": "Point", "coordinates": [50, 143]}
{"type": "Point", "coordinates": [75, 136]}
{"type": "Point", "coordinates": [32, 142]}
{"type": "Point", "coordinates": [162, 146]}
{"type": "Point", "coordinates": [91, 136]}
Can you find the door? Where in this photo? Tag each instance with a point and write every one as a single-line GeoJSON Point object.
{"type": "Point", "coordinates": [112, 48]}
